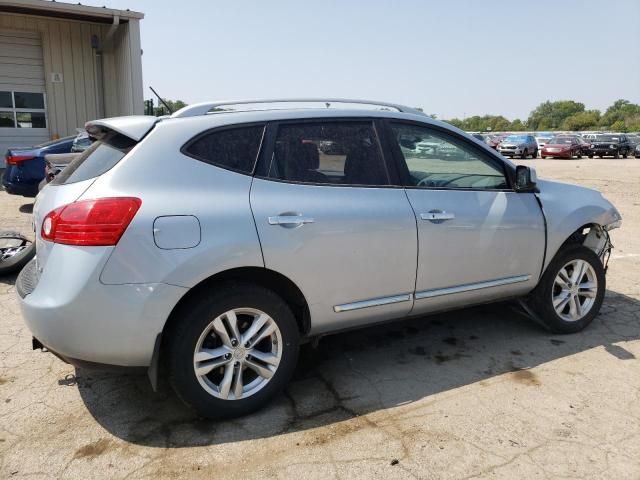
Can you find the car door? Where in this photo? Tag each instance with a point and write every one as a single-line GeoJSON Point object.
{"type": "Point", "coordinates": [329, 221]}
{"type": "Point", "coordinates": [478, 240]}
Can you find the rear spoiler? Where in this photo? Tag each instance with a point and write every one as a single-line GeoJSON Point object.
{"type": "Point", "coordinates": [134, 127]}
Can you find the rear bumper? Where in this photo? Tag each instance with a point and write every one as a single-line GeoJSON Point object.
{"type": "Point", "coordinates": [84, 321]}
{"type": "Point", "coordinates": [37, 344]}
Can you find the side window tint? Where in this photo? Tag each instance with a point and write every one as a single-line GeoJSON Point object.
{"type": "Point", "coordinates": [436, 160]}
{"type": "Point", "coordinates": [343, 153]}
{"type": "Point", "coordinates": [235, 148]}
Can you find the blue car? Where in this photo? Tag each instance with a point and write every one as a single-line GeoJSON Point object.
{"type": "Point", "coordinates": [25, 166]}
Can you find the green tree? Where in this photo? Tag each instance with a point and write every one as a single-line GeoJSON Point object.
{"type": "Point", "coordinates": [550, 115]}
{"type": "Point", "coordinates": [587, 120]}
{"type": "Point", "coordinates": [633, 123]}
{"type": "Point", "coordinates": [618, 126]}
{"type": "Point", "coordinates": [517, 125]}
{"type": "Point", "coordinates": [621, 111]}
{"type": "Point", "coordinates": [159, 109]}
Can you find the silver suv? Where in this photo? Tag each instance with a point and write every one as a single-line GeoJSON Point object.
{"type": "Point", "coordinates": [521, 145]}
{"type": "Point", "coordinates": [209, 245]}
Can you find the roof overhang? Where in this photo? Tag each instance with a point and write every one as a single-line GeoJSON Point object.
{"type": "Point", "coordinates": [68, 11]}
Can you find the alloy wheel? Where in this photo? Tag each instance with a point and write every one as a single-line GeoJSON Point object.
{"type": "Point", "coordinates": [238, 353]}
{"type": "Point", "coordinates": [574, 290]}
{"type": "Point", "coordinates": [12, 246]}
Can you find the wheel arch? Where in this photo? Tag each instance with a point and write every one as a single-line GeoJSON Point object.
{"type": "Point", "coordinates": [587, 234]}
{"type": "Point", "coordinates": [264, 277]}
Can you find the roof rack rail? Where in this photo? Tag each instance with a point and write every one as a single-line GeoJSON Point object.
{"type": "Point", "coordinates": [205, 107]}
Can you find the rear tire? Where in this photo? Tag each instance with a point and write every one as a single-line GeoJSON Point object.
{"type": "Point", "coordinates": [206, 335]}
{"type": "Point", "coordinates": [571, 291]}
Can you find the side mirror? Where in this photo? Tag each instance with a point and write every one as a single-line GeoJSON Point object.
{"type": "Point", "coordinates": [526, 178]}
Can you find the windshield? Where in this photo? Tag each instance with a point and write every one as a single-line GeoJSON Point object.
{"type": "Point", "coordinates": [607, 138]}
{"type": "Point", "coordinates": [516, 138]}
{"type": "Point", "coordinates": [561, 140]}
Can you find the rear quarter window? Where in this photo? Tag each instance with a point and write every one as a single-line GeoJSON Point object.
{"type": "Point", "coordinates": [99, 158]}
{"type": "Point", "coordinates": [234, 148]}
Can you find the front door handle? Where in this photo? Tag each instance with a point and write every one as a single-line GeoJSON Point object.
{"type": "Point", "coordinates": [290, 220]}
{"type": "Point", "coordinates": [437, 215]}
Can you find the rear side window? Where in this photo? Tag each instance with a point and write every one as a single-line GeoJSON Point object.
{"type": "Point", "coordinates": [100, 157]}
{"type": "Point", "coordinates": [234, 148]}
{"type": "Point", "coordinates": [339, 153]}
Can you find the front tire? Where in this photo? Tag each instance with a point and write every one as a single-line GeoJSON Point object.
{"type": "Point", "coordinates": [571, 291]}
{"type": "Point", "coordinates": [233, 350]}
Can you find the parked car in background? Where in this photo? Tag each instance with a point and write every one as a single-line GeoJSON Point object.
{"type": "Point", "coordinates": [542, 139]}
{"type": "Point", "coordinates": [25, 166]}
{"type": "Point", "coordinates": [634, 141]}
{"type": "Point", "coordinates": [54, 163]}
{"type": "Point", "coordinates": [480, 137]}
{"type": "Point", "coordinates": [584, 144]}
{"type": "Point", "coordinates": [614, 145]}
{"type": "Point", "coordinates": [221, 292]}
{"type": "Point", "coordinates": [636, 152]}
{"type": "Point", "coordinates": [562, 146]}
{"type": "Point", "coordinates": [494, 140]}
{"type": "Point", "coordinates": [81, 142]}
{"type": "Point", "coordinates": [519, 145]}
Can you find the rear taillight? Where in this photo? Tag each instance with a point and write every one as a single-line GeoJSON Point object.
{"type": "Point", "coordinates": [16, 159]}
{"type": "Point", "coordinates": [99, 222]}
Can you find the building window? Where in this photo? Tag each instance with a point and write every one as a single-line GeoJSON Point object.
{"type": "Point", "coordinates": [22, 110]}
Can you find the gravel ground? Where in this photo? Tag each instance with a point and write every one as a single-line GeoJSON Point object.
{"type": "Point", "coordinates": [482, 392]}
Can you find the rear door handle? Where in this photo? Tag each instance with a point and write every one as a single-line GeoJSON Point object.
{"type": "Point", "coordinates": [290, 220]}
{"type": "Point", "coordinates": [437, 215]}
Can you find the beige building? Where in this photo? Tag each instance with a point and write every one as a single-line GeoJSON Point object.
{"type": "Point", "coordinates": [63, 64]}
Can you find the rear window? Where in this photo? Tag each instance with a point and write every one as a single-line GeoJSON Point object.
{"type": "Point", "coordinates": [99, 158]}
{"type": "Point", "coordinates": [233, 148]}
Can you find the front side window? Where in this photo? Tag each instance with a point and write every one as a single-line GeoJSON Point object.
{"type": "Point", "coordinates": [22, 110]}
{"type": "Point", "coordinates": [340, 153]}
{"type": "Point", "coordinates": [235, 148]}
{"type": "Point", "coordinates": [437, 160]}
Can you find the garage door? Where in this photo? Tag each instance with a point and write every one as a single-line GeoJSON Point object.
{"type": "Point", "coordinates": [23, 119]}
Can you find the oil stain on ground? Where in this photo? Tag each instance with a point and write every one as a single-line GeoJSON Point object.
{"type": "Point", "coordinates": [94, 449]}
{"type": "Point", "coordinates": [524, 376]}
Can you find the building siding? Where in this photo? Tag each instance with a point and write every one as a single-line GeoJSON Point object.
{"type": "Point", "coordinates": [66, 48]}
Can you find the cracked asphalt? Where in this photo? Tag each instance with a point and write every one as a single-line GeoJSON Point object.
{"type": "Point", "coordinates": [482, 392]}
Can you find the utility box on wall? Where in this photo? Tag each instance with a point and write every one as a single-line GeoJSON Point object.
{"type": "Point", "coordinates": [62, 65]}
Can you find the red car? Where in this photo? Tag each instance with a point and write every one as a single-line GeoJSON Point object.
{"type": "Point", "coordinates": [562, 146]}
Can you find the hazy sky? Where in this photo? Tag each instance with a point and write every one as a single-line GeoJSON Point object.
{"type": "Point", "coordinates": [450, 57]}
